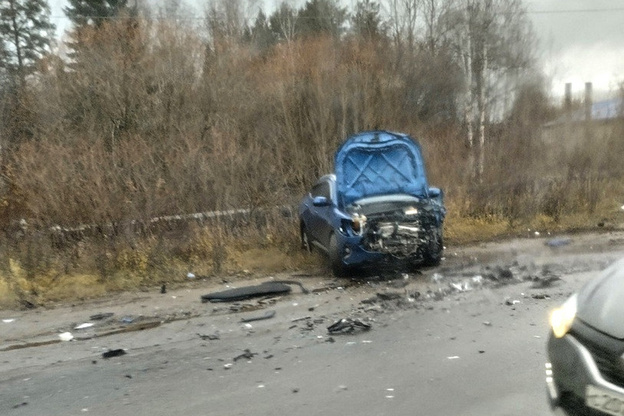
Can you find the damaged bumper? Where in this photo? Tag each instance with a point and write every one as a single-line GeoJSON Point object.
{"type": "Point", "coordinates": [574, 381]}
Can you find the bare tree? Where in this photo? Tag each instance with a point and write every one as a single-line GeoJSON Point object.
{"type": "Point", "coordinates": [490, 38]}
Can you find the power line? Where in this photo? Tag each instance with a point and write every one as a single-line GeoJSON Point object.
{"type": "Point", "coordinates": [617, 9]}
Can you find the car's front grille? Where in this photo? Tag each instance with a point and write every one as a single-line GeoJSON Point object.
{"type": "Point", "coordinates": [608, 363]}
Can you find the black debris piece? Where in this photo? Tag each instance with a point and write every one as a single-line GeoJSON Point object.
{"type": "Point", "coordinates": [101, 316]}
{"type": "Point", "coordinates": [266, 315]}
{"type": "Point", "coordinates": [113, 353]}
{"type": "Point", "coordinates": [347, 326]}
{"type": "Point", "coordinates": [247, 354]}
{"type": "Point", "coordinates": [163, 289]}
{"type": "Point", "coordinates": [389, 295]}
{"type": "Point", "coordinates": [210, 337]}
{"type": "Point", "coordinates": [242, 293]}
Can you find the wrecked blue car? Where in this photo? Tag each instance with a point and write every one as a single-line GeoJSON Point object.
{"type": "Point", "coordinates": [377, 208]}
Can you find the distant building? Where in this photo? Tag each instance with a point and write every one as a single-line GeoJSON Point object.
{"type": "Point", "coordinates": [593, 122]}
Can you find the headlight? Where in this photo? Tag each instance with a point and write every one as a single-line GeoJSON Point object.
{"type": "Point", "coordinates": [410, 211]}
{"type": "Point", "coordinates": [561, 318]}
{"type": "Point", "coordinates": [358, 223]}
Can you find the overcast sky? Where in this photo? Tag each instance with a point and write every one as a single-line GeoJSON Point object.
{"type": "Point", "coordinates": [580, 40]}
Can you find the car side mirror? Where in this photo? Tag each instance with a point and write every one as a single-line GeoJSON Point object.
{"type": "Point", "coordinates": [320, 201]}
{"type": "Point", "coordinates": [435, 192]}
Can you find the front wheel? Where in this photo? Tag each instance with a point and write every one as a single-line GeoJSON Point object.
{"type": "Point", "coordinates": [335, 258]}
{"type": "Point", "coordinates": [433, 253]}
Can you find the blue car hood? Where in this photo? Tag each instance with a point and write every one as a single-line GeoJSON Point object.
{"type": "Point", "coordinates": [379, 163]}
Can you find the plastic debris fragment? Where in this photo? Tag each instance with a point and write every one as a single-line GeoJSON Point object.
{"type": "Point", "coordinates": [558, 242]}
{"type": "Point", "coordinates": [113, 353]}
{"type": "Point", "coordinates": [66, 336]}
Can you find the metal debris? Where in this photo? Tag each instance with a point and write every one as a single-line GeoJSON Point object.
{"type": "Point", "coordinates": [348, 325]}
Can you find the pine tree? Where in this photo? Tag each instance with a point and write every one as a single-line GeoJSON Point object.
{"type": "Point", "coordinates": [25, 33]}
{"type": "Point", "coordinates": [93, 12]}
{"type": "Point", "coordinates": [366, 21]}
{"type": "Point", "coordinates": [318, 17]}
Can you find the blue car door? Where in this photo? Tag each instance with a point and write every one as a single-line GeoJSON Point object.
{"type": "Point", "coordinates": [321, 214]}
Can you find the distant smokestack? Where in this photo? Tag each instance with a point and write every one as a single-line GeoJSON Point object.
{"type": "Point", "coordinates": [588, 101]}
{"type": "Point", "coordinates": [567, 103]}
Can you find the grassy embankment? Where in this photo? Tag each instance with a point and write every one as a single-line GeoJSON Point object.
{"type": "Point", "coordinates": [128, 136]}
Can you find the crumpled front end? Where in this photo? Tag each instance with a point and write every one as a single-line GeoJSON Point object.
{"type": "Point", "coordinates": [400, 239]}
{"type": "Point", "coordinates": [401, 228]}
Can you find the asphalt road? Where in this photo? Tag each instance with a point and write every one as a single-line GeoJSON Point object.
{"type": "Point", "coordinates": [462, 339]}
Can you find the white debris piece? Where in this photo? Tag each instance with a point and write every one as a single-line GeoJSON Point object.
{"type": "Point", "coordinates": [66, 336]}
{"type": "Point", "coordinates": [85, 325]}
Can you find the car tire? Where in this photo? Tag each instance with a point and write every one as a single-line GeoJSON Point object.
{"type": "Point", "coordinates": [433, 254]}
{"type": "Point", "coordinates": [335, 258]}
{"type": "Point", "coordinates": [305, 239]}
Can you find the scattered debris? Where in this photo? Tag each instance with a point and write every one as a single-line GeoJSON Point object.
{"type": "Point", "coordinates": [84, 326]}
{"type": "Point", "coordinates": [209, 337]}
{"type": "Point", "coordinates": [8, 321]}
{"type": "Point", "coordinates": [101, 316]}
{"type": "Point", "coordinates": [453, 357]}
{"type": "Point", "coordinates": [265, 289]}
{"type": "Point", "coordinates": [190, 275]}
{"type": "Point", "coordinates": [247, 354]}
{"type": "Point", "coordinates": [228, 366]}
{"type": "Point", "coordinates": [436, 278]}
{"type": "Point", "coordinates": [461, 287]}
{"type": "Point", "coordinates": [390, 295]}
{"type": "Point", "coordinates": [163, 289]}
{"type": "Point", "coordinates": [66, 336]}
{"type": "Point", "coordinates": [266, 315]}
{"type": "Point", "coordinates": [558, 242]}
{"type": "Point", "coordinates": [511, 302]}
{"type": "Point", "coordinates": [487, 323]}
{"type": "Point", "coordinates": [540, 296]}
{"type": "Point", "coordinates": [348, 325]}
{"type": "Point", "coordinates": [303, 318]}
{"type": "Point", "coordinates": [543, 282]}
{"type": "Point", "coordinates": [113, 353]}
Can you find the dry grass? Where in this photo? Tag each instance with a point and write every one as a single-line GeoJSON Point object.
{"type": "Point", "coordinates": [126, 136]}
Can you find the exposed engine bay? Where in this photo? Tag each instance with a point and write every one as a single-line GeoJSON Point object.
{"type": "Point", "coordinates": [400, 225]}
